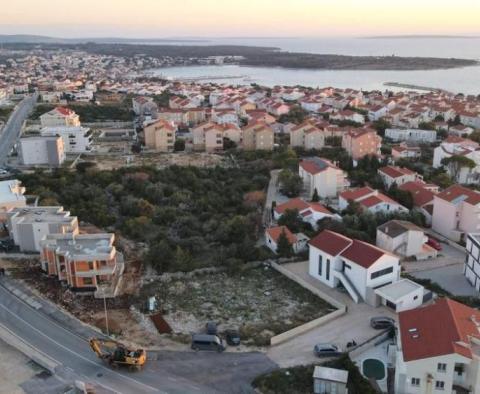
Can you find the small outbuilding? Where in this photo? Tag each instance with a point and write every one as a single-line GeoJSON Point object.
{"type": "Point", "coordinates": [329, 380]}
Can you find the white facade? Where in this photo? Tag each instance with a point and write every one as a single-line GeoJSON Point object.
{"type": "Point", "coordinates": [60, 117]}
{"type": "Point", "coordinates": [322, 175]}
{"type": "Point", "coordinates": [42, 151]}
{"type": "Point", "coordinates": [416, 135]}
{"type": "Point", "coordinates": [75, 139]}
{"type": "Point", "coordinates": [472, 262]}
{"type": "Point", "coordinates": [360, 281]}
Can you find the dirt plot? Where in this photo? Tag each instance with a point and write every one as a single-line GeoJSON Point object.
{"type": "Point", "coordinates": [159, 160]}
{"type": "Point", "coordinates": [259, 302]}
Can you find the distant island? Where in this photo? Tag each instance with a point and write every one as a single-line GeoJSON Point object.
{"type": "Point", "coordinates": [420, 36]}
{"type": "Point", "coordinates": [256, 56]}
{"type": "Point", "coordinates": [37, 39]}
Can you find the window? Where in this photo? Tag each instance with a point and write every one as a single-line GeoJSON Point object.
{"type": "Point", "coordinates": [439, 385]}
{"type": "Point", "coordinates": [383, 272]}
{"type": "Point", "coordinates": [441, 367]}
{"type": "Point", "coordinates": [87, 281]}
{"type": "Point", "coordinates": [90, 265]}
{"type": "Point", "coordinates": [416, 382]}
{"type": "Point", "coordinates": [345, 265]}
{"type": "Point", "coordinates": [328, 269]}
{"type": "Point", "coordinates": [320, 263]}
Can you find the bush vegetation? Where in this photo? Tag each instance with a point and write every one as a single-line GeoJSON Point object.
{"type": "Point", "coordinates": [189, 217]}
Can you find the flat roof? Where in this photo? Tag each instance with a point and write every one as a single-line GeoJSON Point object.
{"type": "Point", "coordinates": [11, 190]}
{"type": "Point", "coordinates": [82, 245]}
{"type": "Point", "coordinates": [331, 374]}
{"type": "Point", "coordinates": [41, 214]}
{"type": "Point", "coordinates": [397, 290]}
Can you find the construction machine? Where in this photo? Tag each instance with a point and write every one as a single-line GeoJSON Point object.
{"type": "Point", "coordinates": [116, 354]}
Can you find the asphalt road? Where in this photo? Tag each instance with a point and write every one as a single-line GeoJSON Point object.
{"type": "Point", "coordinates": [13, 127]}
{"type": "Point", "coordinates": [165, 372]}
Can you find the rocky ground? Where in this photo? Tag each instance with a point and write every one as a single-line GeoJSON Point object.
{"type": "Point", "coordinates": [259, 302]}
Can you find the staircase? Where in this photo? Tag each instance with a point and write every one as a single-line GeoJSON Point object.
{"type": "Point", "coordinates": [348, 285]}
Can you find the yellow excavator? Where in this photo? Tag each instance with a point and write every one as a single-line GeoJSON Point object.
{"type": "Point", "coordinates": [117, 355]}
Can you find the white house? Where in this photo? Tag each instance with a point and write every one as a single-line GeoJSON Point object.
{"type": "Point", "coordinates": [76, 139]}
{"type": "Point", "coordinates": [397, 175]}
{"type": "Point", "coordinates": [272, 234]}
{"type": "Point", "coordinates": [404, 239]}
{"type": "Point", "coordinates": [60, 117]}
{"type": "Point", "coordinates": [310, 212]}
{"type": "Point", "coordinates": [437, 349]}
{"type": "Point", "coordinates": [472, 263]}
{"type": "Point", "coordinates": [329, 380]}
{"type": "Point", "coordinates": [456, 212]}
{"type": "Point", "coordinates": [414, 135]}
{"type": "Point", "coordinates": [456, 146]}
{"type": "Point", "coordinates": [322, 175]}
{"type": "Point", "coordinates": [360, 267]}
{"type": "Point", "coordinates": [370, 200]}
{"type": "Point", "coordinates": [377, 112]}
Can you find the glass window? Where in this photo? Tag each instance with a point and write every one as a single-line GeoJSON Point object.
{"type": "Point", "coordinates": [320, 263]}
{"type": "Point", "coordinates": [385, 271]}
{"type": "Point", "coordinates": [415, 381]}
{"type": "Point", "coordinates": [441, 367]}
{"type": "Point", "coordinates": [439, 385]}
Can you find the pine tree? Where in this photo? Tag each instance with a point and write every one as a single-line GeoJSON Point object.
{"type": "Point", "coordinates": [315, 197]}
{"type": "Point", "coordinates": [284, 249]}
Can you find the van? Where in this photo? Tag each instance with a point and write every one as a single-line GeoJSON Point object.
{"type": "Point", "coordinates": [207, 342]}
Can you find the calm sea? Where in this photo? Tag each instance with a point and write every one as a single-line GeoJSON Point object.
{"type": "Point", "coordinates": [465, 80]}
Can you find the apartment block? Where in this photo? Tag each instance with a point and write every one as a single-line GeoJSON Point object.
{"type": "Point", "coordinates": [48, 151]}
{"type": "Point", "coordinates": [258, 136]}
{"type": "Point", "coordinates": [362, 142]}
{"type": "Point", "coordinates": [27, 226]}
{"type": "Point", "coordinates": [60, 117]}
{"type": "Point", "coordinates": [437, 349]}
{"type": "Point", "coordinates": [160, 136]}
{"type": "Point", "coordinates": [76, 139]}
{"type": "Point", "coordinates": [88, 263]}
{"type": "Point", "coordinates": [471, 268]}
{"type": "Point", "coordinates": [323, 176]}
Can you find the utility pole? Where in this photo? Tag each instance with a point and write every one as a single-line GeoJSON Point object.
{"type": "Point", "coordinates": [105, 309]}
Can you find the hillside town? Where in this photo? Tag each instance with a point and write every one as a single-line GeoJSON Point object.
{"type": "Point", "coordinates": [333, 231]}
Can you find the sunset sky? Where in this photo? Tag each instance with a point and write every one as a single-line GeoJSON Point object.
{"type": "Point", "coordinates": [227, 18]}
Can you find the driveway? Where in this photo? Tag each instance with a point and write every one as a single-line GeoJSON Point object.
{"type": "Point", "coordinates": [355, 324]}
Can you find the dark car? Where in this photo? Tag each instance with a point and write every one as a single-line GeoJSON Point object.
{"type": "Point", "coordinates": [211, 328]}
{"type": "Point", "coordinates": [326, 350]}
{"type": "Point", "coordinates": [382, 322]}
{"type": "Point", "coordinates": [207, 342]}
{"type": "Point", "coordinates": [232, 337]}
{"type": "Point", "coordinates": [434, 243]}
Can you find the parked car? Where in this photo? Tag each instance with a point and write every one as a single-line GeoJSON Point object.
{"type": "Point", "coordinates": [233, 337]}
{"type": "Point", "coordinates": [382, 322]}
{"type": "Point", "coordinates": [326, 350]}
{"type": "Point", "coordinates": [434, 243]}
{"type": "Point", "coordinates": [211, 328]}
{"type": "Point", "coordinates": [207, 342]}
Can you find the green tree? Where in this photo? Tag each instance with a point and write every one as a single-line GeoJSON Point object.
{"type": "Point", "coordinates": [315, 197]}
{"type": "Point", "coordinates": [284, 248]}
{"type": "Point", "coordinates": [292, 220]}
{"type": "Point", "coordinates": [381, 125]}
{"type": "Point", "coordinates": [179, 145]}
{"type": "Point", "coordinates": [426, 126]}
{"type": "Point", "coordinates": [290, 183]}
{"type": "Point", "coordinates": [456, 163]}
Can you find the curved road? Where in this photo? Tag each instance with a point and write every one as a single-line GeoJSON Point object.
{"type": "Point", "coordinates": [165, 372]}
{"type": "Point", "coordinates": [13, 127]}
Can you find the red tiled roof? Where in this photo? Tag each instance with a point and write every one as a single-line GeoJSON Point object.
{"type": "Point", "coordinates": [395, 172]}
{"type": "Point", "coordinates": [363, 253]}
{"type": "Point", "coordinates": [317, 207]}
{"type": "Point", "coordinates": [420, 194]}
{"type": "Point", "coordinates": [437, 329]}
{"type": "Point", "coordinates": [355, 194]}
{"type": "Point", "coordinates": [456, 191]}
{"type": "Point", "coordinates": [64, 111]}
{"type": "Point", "coordinates": [330, 242]}
{"type": "Point", "coordinates": [274, 233]}
{"type": "Point", "coordinates": [294, 203]}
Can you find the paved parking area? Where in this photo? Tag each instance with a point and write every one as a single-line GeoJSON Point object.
{"type": "Point", "coordinates": [355, 324]}
{"type": "Point", "coordinates": [451, 278]}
